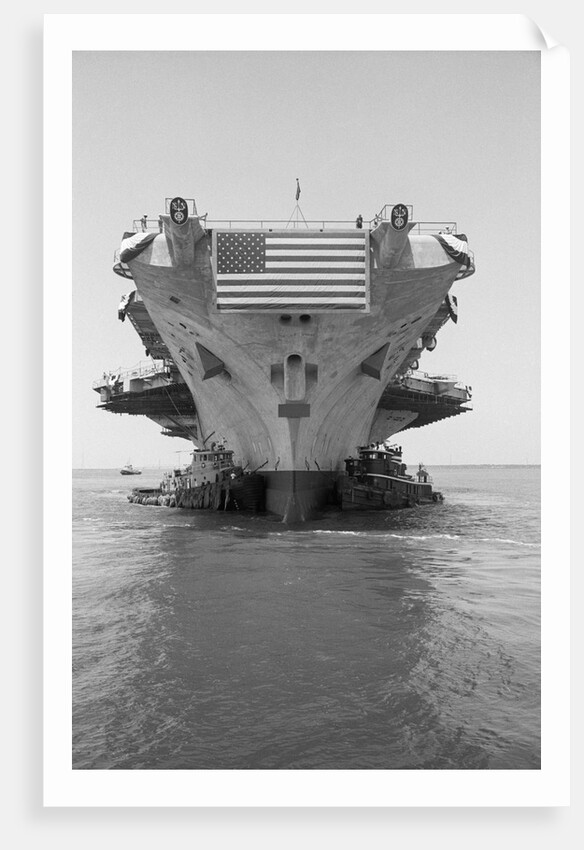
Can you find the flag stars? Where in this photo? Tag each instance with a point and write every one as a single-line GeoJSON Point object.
{"type": "Point", "coordinates": [240, 253]}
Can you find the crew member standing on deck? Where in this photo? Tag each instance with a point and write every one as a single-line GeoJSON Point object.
{"type": "Point", "coordinates": [144, 221]}
{"type": "Point", "coordinates": [359, 222]}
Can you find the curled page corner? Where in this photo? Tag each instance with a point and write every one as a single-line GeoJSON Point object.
{"type": "Point", "coordinates": [544, 39]}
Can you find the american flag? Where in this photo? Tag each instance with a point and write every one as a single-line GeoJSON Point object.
{"type": "Point", "coordinates": [296, 270]}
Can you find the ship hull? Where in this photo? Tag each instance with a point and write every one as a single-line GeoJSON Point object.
{"type": "Point", "coordinates": [291, 394]}
{"type": "Point", "coordinates": [298, 495]}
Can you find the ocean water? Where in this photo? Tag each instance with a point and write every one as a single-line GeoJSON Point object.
{"type": "Point", "coordinates": [406, 640]}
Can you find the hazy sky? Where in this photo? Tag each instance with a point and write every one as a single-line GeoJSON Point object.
{"type": "Point", "coordinates": [454, 134]}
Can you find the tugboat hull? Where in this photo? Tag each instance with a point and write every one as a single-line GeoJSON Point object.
{"type": "Point", "coordinates": [377, 480]}
{"type": "Point", "coordinates": [356, 496]}
{"type": "Point", "coordinates": [245, 494]}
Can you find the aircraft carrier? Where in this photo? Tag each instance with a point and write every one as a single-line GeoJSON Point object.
{"type": "Point", "coordinates": [294, 342]}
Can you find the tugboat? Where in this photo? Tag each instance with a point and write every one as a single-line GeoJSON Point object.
{"type": "Point", "coordinates": [211, 481]}
{"type": "Point", "coordinates": [128, 469]}
{"type": "Point", "coordinates": [377, 480]}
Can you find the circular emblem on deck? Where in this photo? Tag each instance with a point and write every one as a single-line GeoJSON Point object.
{"type": "Point", "coordinates": [399, 216]}
{"type": "Point", "coordinates": [179, 211]}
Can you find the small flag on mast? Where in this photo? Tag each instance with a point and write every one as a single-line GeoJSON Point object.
{"type": "Point", "coordinates": [297, 189]}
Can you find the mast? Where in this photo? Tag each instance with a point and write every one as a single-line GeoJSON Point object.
{"type": "Point", "coordinates": [297, 213]}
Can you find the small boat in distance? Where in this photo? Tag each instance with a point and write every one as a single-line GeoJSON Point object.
{"type": "Point", "coordinates": [128, 469]}
{"type": "Point", "coordinates": [377, 480]}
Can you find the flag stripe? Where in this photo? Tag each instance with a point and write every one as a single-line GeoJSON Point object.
{"type": "Point", "coordinates": [285, 300]}
{"type": "Point", "coordinates": [300, 308]}
{"type": "Point", "coordinates": [275, 252]}
{"type": "Point", "coordinates": [301, 232]}
{"type": "Point", "coordinates": [356, 288]}
{"type": "Point", "coordinates": [279, 240]}
{"type": "Point", "coordinates": [342, 265]}
{"type": "Point", "coordinates": [336, 268]}
{"type": "Point", "coordinates": [275, 276]}
{"type": "Point", "coordinates": [354, 259]}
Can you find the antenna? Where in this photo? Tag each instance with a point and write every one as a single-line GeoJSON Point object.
{"type": "Point", "coordinates": [180, 452]}
{"type": "Point", "coordinates": [208, 437]}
